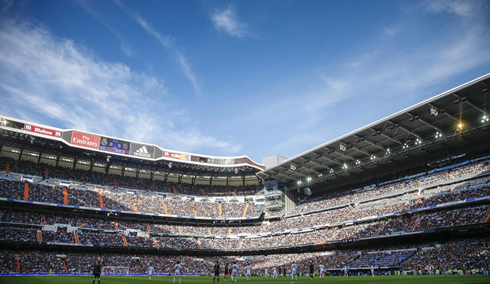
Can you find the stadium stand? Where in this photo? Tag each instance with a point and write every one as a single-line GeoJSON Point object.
{"type": "Point", "coordinates": [422, 218]}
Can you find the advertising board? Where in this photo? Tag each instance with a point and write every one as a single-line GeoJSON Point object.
{"type": "Point", "coordinates": [176, 156]}
{"type": "Point", "coordinates": [141, 150]}
{"type": "Point", "coordinates": [85, 140]}
{"type": "Point", "coordinates": [42, 130]}
{"type": "Point", "coordinates": [114, 145]}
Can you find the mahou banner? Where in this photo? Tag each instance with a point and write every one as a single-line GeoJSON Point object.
{"type": "Point", "coordinates": [42, 130]}
{"type": "Point", "coordinates": [85, 140]}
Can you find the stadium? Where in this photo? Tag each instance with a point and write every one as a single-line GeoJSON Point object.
{"type": "Point", "coordinates": [263, 142]}
{"type": "Point", "coordinates": [405, 196]}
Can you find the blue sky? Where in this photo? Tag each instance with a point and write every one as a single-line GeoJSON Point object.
{"type": "Point", "coordinates": [233, 77]}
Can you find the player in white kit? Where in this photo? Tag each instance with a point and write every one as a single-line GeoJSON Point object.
{"type": "Point", "coordinates": [266, 274]}
{"type": "Point", "coordinates": [248, 271]}
{"type": "Point", "coordinates": [274, 272]}
{"type": "Point", "coordinates": [322, 271]}
{"type": "Point", "coordinates": [178, 271]}
{"type": "Point", "coordinates": [150, 271]}
{"type": "Point", "coordinates": [372, 270]}
{"type": "Point", "coordinates": [294, 267]}
{"type": "Point", "coordinates": [234, 271]}
{"type": "Point", "coordinates": [346, 271]}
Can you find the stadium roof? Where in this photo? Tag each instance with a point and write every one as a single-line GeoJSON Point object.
{"type": "Point", "coordinates": [82, 144]}
{"type": "Point", "coordinates": [448, 124]}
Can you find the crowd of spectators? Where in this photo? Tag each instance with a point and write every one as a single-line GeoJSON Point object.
{"type": "Point", "coordinates": [463, 254]}
{"type": "Point", "coordinates": [458, 254]}
{"type": "Point", "coordinates": [445, 217]}
{"type": "Point", "coordinates": [127, 202]}
{"type": "Point", "coordinates": [329, 199]}
{"type": "Point", "coordinates": [100, 178]}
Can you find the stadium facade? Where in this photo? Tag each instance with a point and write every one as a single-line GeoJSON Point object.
{"type": "Point", "coordinates": [416, 182]}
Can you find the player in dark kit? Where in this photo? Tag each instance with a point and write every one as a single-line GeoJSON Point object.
{"type": "Point", "coordinates": [96, 271]}
{"type": "Point", "coordinates": [216, 271]}
{"type": "Point", "coordinates": [312, 270]}
{"type": "Point", "coordinates": [227, 272]}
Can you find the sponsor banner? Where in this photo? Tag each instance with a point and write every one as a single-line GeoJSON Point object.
{"type": "Point", "coordinates": [141, 150]}
{"type": "Point", "coordinates": [85, 140]}
{"type": "Point", "coordinates": [176, 156]}
{"type": "Point", "coordinates": [42, 130]}
{"type": "Point", "coordinates": [65, 183]}
{"type": "Point", "coordinates": [114, 145]}
{"type": "Point", "coordinates": [27, 178]}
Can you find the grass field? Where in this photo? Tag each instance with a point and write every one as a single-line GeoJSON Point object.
{"type": "Point", "coordinates": [255, 280]}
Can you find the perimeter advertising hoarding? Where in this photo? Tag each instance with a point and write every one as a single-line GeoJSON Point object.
{"type": "Point", "coordinates": [141, 150]}
{"type": "Point", "coordinates": [114, 145]}
{"type": "Point", "coordinates": [42, 130]}
{"type": "Point", "coordinates": [176, 156]}
{"type": "Point", "coordinates": [85, 140]}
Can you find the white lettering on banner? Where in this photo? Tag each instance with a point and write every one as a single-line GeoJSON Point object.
{"type": "Point", "coordinates": [142, 152]}
{"type": "Point", "coordinates": [42, 130]}
{"type": "Point", "coordinates": [84, 141]}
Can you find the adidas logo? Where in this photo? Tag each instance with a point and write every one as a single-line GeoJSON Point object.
{"type": "Point", "coordinates": [142, 152]}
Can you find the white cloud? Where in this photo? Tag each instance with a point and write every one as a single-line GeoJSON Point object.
{"type": "Point", "coordinates": [463, 8]}
{"type": "Point", "coordinates": [390, 31]}
{"type": "Point", "coordinates": [168, 43]}
{"type": "Point", "coordinates": [227, 21]}
{"type": "Point", "coordinates": [55, 81]}
{"type": "Point", "coordinates": [381, 76]}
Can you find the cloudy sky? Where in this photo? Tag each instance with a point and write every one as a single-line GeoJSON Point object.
{"type": "Point", "coordinates": [233, 77]}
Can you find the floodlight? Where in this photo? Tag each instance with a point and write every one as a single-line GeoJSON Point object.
{"type": "Point", "coordinates": [434, 111]}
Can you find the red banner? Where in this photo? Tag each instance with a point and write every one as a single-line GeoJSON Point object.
{"type": "Point", "coordinates": [85, 140]}
{"type": "Point", "coordinates": [65, 196]}
{"type": "Point", "coordinates": [26, 191]}
{"type": "Point", "coordinates": [42, 130]}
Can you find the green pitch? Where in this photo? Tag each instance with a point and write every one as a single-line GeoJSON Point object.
{"type": "Point", "coordinates": [254, 280]}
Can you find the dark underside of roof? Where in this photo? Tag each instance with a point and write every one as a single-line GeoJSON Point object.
{"type": "Point", "coordinates": [426, 133]}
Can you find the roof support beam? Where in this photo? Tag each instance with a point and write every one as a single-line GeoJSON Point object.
{"type": "Point", "coordinates": [391, 138]}
{"type": "Point", "coordinates": [320, 165]}
{"type": "Point", "coordinates": [331, 160]}
{"type": "Point", "coordinates": [406, 129]}
{"type": "Point", "coordinates": [345, 155]}
{"type": "Point", "coordinates": [286, 176]}
{"type": "Point", "coordinates": [470, 104]}
{"type": "Point", "coordinates": [370, 142]}
{"type": "Point", "coordinates": [426, 123]}
{"type": "Point", "coordinates": [360, 150]}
